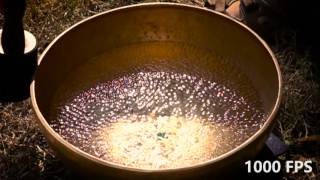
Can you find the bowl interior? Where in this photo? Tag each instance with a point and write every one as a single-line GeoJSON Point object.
{"type": "Point", "coordinates": [158, 39]}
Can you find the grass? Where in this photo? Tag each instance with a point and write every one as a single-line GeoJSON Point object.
{"type": "Point", "coordinates": [24, 153]}
{"type": "Point", "coordinates": [298, 124]}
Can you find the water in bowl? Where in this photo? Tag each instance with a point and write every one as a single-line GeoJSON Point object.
{"type": "Point", "coordinates": [159, 118]}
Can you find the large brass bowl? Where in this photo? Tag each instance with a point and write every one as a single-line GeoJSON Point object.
{"type": "Point", "coordinates": [160, 22]}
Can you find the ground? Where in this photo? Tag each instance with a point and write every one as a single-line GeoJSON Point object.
{"type": "Point", "coordinates": [24, 153]}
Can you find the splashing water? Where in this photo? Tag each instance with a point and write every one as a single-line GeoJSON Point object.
{"type": "Point", "coordinates": [157, 120]}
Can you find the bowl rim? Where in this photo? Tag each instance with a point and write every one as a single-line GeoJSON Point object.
{"type": "Point", "coordinates": [269, 121]}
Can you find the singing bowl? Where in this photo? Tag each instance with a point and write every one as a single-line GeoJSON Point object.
{"type": "Point", "coordinates": [153, 22]}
